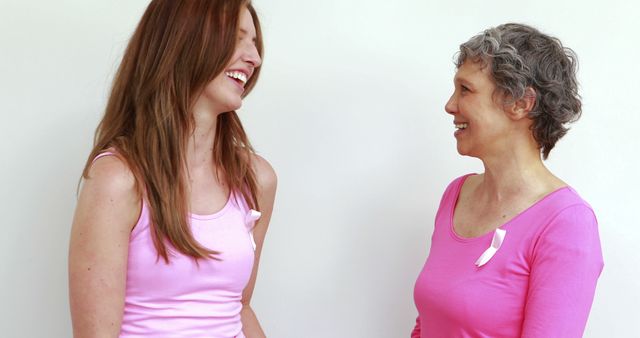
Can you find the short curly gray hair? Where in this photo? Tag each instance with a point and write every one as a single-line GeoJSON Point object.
{"type": "Point", "coordinates": [520, 56]}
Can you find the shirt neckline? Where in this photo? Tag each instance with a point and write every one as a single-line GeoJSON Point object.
{"type": "Point", "coordinates": [504, 225]}
{"type": "Point", "coordinates": [216, 214]}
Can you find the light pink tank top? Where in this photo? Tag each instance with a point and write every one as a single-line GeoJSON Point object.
{"type": "Point", "coordinates": [182, 298]}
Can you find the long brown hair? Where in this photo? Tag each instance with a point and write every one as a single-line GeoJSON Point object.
{"type": "Point", "coordinates": [178, 47]}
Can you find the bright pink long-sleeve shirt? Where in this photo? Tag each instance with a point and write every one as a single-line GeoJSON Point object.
{"type": "Point", "coordinates": [539, 283]}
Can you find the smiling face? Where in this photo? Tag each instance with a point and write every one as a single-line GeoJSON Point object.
{"type": "Point", "coordinates": [482, 126]}
{"type": "Point", "coordinates": [224, 93]}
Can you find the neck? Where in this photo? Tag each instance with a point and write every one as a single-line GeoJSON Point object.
{"type": "Point", "coordinates": [200, 144]}
{"type": "Point", "coordinates": [515, 170]}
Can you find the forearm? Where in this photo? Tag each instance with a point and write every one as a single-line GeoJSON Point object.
{"type": "Point", "coordinates": [250, 325]}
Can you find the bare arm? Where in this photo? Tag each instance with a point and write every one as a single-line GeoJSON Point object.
{"type": "Point", "coordinates": [267, 183]}
{"type": "Point", "coordinates": [107, 209]}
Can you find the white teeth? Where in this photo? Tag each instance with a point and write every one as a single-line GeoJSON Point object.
{"type": "Point", "coordinates": [461, 125]}
{"type": "Point", "coordinates": [238, 75]}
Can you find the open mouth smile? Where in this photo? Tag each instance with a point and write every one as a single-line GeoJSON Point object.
{"type": "Point", "coordinates": [238, 76]}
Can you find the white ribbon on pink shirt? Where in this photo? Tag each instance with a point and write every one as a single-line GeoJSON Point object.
{"type": "Point", "coordinates": [250, 219]}
{"type": "Point", "coordinates": [498, 238]}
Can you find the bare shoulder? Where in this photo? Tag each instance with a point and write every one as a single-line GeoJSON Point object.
{"type": "Point", "coordinates": [109, 192]}
{"type": "Point", "coordinates": [265, 174]}
{"type": "Point", "coordinates": [110, 175]}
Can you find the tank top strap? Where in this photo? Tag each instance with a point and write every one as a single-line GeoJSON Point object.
{"type": "Point", "coordinates": [103, 154]}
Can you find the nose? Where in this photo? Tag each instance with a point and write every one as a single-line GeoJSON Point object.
{"type": "Point", "coordinates": [451, 106]}
{"type": "Point", "coordinates": [251, 55]}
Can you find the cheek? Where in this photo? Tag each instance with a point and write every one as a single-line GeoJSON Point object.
{"type": "Point", "coordinates": [213, 87]}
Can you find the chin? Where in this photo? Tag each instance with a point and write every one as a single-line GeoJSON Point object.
{"type": "Point", "coordinates": [236, 102]}
{"type": "Point", "coordinates": [237, 106]}
{"type": "Point", "coordinates": [233, 105]}
{"type": "Point", "coordinates": [461, 150]}
{"type": "Point", "coordinates": [465, 151]}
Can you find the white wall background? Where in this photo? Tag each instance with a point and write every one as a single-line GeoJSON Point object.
{"type": "Point", "coordinates": [349, 110]}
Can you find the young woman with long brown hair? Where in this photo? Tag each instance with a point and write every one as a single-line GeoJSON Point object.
{"type": "Point", "coordinates": [174, 204]}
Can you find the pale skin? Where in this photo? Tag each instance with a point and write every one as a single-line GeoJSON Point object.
{"type": "Point", "coordinates": [109, 206]}
{"type": "Point", "coordinates": [498, 134]}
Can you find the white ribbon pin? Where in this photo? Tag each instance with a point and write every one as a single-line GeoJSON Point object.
{"type": "Point", "coordinates": [250, 219]}
{"type": "Point", "coordinates": [498, 238]}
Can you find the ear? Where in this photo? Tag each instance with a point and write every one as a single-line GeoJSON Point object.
{"type": "Point", "coordinates": [520, 108]}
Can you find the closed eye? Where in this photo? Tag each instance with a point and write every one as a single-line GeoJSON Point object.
{"type": "Point", "coordinates": [243, 34]}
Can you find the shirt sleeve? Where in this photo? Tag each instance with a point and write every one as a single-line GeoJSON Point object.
{"type": "Point", "coordinates": [566, 262]}
{"type": "Point", "coordinates": [416, 329]}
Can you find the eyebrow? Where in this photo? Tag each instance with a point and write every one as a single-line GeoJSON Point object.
{"type": "Point", "coordinates": [462, 80]}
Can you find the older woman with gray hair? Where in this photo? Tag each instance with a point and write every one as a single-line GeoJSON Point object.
{"type": "Point", "coordinates": [515, 250]}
